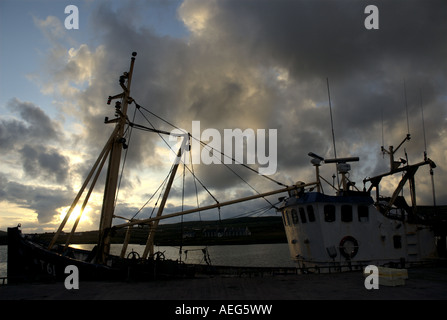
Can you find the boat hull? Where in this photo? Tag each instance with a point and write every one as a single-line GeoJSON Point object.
{"type": "Point", "coordinates": [31, 262]}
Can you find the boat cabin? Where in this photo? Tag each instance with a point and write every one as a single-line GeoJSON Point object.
{"type": "Point", "coordinates": [351, 229]}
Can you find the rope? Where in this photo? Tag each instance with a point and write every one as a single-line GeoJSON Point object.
{"type": "Point", "coordinates": [164, 140]}
{"type": "Point", "coordinates": [246, 182]}
{"type": "Point", "coordinates": [219, 151]}
{"type": "Point", "coordinates": [144, 205]}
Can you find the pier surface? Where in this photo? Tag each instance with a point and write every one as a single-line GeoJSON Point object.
{"type": "Point", "coordinates": [423, 284]}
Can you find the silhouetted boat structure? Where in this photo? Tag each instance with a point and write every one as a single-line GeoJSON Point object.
{"type": "Point", "coordinates": [351, 230]}
{"type": "Point", "coordinates": [332, 233]}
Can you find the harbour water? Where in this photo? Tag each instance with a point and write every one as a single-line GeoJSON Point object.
{"type": "Point", "coordinates": [254, 255]}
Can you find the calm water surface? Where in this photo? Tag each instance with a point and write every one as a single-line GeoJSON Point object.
{"type": "Point", "coordinates": [253, 255]}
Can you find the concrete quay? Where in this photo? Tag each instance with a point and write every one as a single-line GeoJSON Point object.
{"type": "Point", "coordinates": [422, 284]}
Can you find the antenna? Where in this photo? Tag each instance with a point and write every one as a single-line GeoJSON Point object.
{"type": "Point", "coordinates": [406, 107]}
{"type": "Point", "coordinates": [332, 124]}
{"type": "Point", "coordinates": [395, 164]}
{"type": "Point", "coordinates": [332, 121]}
{"type": "Point", "coordinates": [425, 150]}
{"type": "Point", "coordinates": [423, 125]}
{"type": "Point", "coordinates": [383, 137]}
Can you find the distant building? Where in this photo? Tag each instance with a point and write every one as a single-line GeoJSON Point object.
{"type": "Point", "coordinates": [189, 234]}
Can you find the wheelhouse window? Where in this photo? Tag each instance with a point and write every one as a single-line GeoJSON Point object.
{"type": "Point", "coordinates": [346, 213]}
{"type": "Point", "coordinates": [397, 242]}
{"type": "Point", "coordinates": [363, 213]}
{"type": "Point", "coordinates": [310, 213]}
{"type": "Point", "coordinates": [302, 215]}
{"type": "Point", "coordinates": [294, 216]}
{"type": "Point", "coordinates": [329, 213]}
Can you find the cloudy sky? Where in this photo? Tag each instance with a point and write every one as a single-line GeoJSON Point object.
{"type": "Point", "coordinates": [228, 64]}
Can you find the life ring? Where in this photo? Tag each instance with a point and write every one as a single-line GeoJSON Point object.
{"type": "Point", "coordinates": [349, 247]}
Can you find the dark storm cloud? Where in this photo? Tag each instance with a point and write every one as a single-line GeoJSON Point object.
{"type": "Point", "coordinates": [34, 125]}
{"type": "Point", "coordinates": [264, 64]}
{"type": "Point", "coordinates": [28, 139]}
{"type": "Point", "coordinates": [324, 38]}
{"type": "Point", "coordinates": [367, 68]}
{"type": "Point", "coordinates": [45, 163]}
{"type": "Point", "coordinates": [249, 64]}
{"type": "Point", "coordinates": [180, 82]}
{"type": "Point", "coordinates": [44, 201]}
{"type": "Point", "coordinates": [319, 39]}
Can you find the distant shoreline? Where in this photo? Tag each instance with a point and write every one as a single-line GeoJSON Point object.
{"type": "Point", "coordinates": [261, 230]}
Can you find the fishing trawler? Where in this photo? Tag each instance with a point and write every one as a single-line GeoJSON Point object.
{"type": "Point", "coordinates": [341, 232]}
{"type": "Point", "coordinates": [29, 260]}
{"type": "Point", "coordinates": [350, 230]}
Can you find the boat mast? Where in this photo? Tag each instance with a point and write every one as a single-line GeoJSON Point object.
{"type": "Point", "coordinates": [149, 249]}
{"type": "Point", "coordinates": [118, 144]}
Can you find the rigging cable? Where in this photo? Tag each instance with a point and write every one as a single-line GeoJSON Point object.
{"type": "Point", "coordinates": [140, 108]}
{"type": "Point", "coordinates": [165, 183]}
{"type": "Point", "coordinates": [256, 212]}
{"type": "Point", "coordinates": [144, 205]}
{"type": "Point", "coordinates": [237, 162]}
{"type": "Point", "coordinates": [383, 136]}
{"type": "Point", "coordinates": [219, 151]}
{"type": "Point", "coordinates": [236, 174]}
{"type": "Point", "coordinates": [164, 140]}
